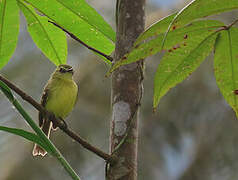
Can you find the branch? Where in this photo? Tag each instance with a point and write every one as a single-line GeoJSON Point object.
{"type": "Point", "coordinates": [81, 42]}
{"type": "Point", "coordinates": [59, 122]}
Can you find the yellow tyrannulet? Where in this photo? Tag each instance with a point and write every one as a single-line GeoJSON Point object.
{"type": "Point", "coordinates": [59, 97]}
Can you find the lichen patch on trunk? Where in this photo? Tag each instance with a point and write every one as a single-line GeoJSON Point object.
{"type": "Point", "coordinates": [121, 113]}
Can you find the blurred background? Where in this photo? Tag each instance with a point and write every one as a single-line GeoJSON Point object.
{"type": "Point", "coordinates": [193, 136]}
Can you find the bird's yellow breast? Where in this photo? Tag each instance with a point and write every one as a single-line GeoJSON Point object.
{"type": "Point", "coordinates": [62, 97]}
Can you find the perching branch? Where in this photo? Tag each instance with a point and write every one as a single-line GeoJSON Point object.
{"type": "Point", "coordinates": [81, 42]}
{"type": "Point", "coordinates": [40, 134]}
{"type": "Point", "coordinates": [59, 122]}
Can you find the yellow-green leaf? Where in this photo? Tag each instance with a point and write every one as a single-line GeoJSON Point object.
{"type": "Point", "coordinates": [82, 9]}
{"type": "Point", "coordinates": [66, 17]}
{"type": "Point", "coordinates": [9, 29]}
{"type": "Point", "coordinates": [177, 39]}
{"type": "Point", "coordinates": [226, 66]}
{"type": "Point", "coordinates": [179, 63]}
{"type": "Point", "coordinates": [202, 8]}
{"type": "Point", "coordinates": [50, 39]}
{"type": "Point", "coordinates": [199, 9]}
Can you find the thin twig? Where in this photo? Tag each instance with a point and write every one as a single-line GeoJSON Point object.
{"type": "Point", "coordinates": [58, 122]}
{"type": "Point", "coordinates": [227, 27]}
{"type": "Point", "coordinates": [233, 23]}
{"type": "Point", "coordinates": [81, 42]}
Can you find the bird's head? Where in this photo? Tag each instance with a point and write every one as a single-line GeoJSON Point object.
{"type": "Point", "coordinates": [64, 71]}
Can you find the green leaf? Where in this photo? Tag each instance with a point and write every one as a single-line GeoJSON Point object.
{"type": "Point", "coordinates": [226, 66]}
{"type": "Point", "coordinates": [66, 18]}
{"type": "Point", "coordinates": [156, 29]}
{"type": "Point", "coordinates": [199, 9]}
{"type": "Point", "coordinates": [30, 136]}
{"type": "Point", "coordinates": [178, 64]}
{"type": "Point", "coordinates": [50, 39]}
{"type": "Point", "coordinates": [196, 9]}
{"type": "Point", "coordinates": [202, 8]}
{"type": "Point", "coordinates": [5, 89]}
{"type": "Point", "coordinates": [82, 9]}
{"type": "Point", "coordinates": [178, 39]}
{"type": "Point", "coordinates": [9, 29]}
{"type": "Point", "coordinates": [27, 135]}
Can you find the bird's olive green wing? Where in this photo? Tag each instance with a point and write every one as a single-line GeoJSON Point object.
{"type": "Point", "coordinates": [44, 98]}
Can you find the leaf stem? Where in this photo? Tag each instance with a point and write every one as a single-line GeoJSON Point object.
{"type": "Point", "coordinates": [81, 42]}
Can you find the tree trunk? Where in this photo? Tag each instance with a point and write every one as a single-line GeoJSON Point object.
{"type": "Point", "coordinates": [127, 91]}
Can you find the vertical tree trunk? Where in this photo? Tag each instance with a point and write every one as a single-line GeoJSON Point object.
{"type": "Point", "coordinates": [126, 92]}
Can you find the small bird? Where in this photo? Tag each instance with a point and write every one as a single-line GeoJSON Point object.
{"type": "Point", "coordinates": [59, 97]}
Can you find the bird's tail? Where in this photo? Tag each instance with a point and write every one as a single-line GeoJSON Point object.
{"type": "Point", "coordinates": [46, 128]}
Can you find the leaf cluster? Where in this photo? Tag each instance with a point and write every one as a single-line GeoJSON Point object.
{"type": "Point", "coordinates": [186, 38]}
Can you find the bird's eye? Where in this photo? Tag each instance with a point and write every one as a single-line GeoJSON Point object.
{"type": "Point", "coordinates": [62, 70]}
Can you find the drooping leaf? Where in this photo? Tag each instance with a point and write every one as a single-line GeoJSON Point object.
{"type": "Point", "coordinates": [50, 39]}
{"type": "Point", "coordinates": [9, 29]}
{"type": "Point", "coordinates": [66, 18]}
{"type": "Point", "coordinates": [179, 38]}
{"type": "Point", "coordinates": [226, 66]}
{"type": "Point", "coordinates": [82, 9]}
{"type": "Point", "coordinates": [27, 135]}
{"type": "Point", "coordinates": [179, 63]}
